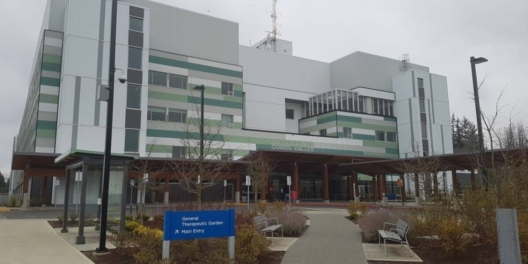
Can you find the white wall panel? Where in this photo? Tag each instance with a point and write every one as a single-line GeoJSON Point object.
{"type": "Point", "coordinates": [83, 19]}
{"type": "Point", "coordinates": [440, 90]}
{"type": "Point", "coordinates": [80, 57]}
{"type": "Point", "coordinates": [441, 111]}
{"type": "Point", "coordinates": [87, 101]}
{"type": "Point", "coordinates": [292, 125]}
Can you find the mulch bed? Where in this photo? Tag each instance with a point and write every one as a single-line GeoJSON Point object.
{"type": "Point", "coordinates": [57, 224]}
{"type": "Point", "coordinates": [114, 258]}
{"type": "Point", "coordinates": [435, 255]}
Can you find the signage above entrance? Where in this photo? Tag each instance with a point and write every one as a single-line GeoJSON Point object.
{"type": "Point", "coordinates": [292, 145]}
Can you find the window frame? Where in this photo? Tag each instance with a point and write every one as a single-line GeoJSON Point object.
{"type": "Point", "coordinates": [382, 133]}
{"type": "Point", "coordinates": [149, 113]}
{"type": "Point", "coordinates": [151, 78]}
{"type": "Point", "coordinates": [182, 113]}
{"type": "Point", "coordinates": [323, 133]}
{"type": "Point", "coordinates": [136, 18]}
{"type": "Point", "coordinates": [183, 79]}
{"type": "Point", "coordinates": [230, 91]}
{"type": "Point", "coordinates": [130, 48]}
{"type": "Point", "coordinates": [347, 132]}
{"type": "Point", "coordinates": [224, 124]}
{"type": "Point", "coordinates": [394, 134]}
{"type": "Point", "coordinates": [290, 114]}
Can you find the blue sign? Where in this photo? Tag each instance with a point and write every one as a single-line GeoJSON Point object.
{"type": "Point", "coordinates": [198, 224]}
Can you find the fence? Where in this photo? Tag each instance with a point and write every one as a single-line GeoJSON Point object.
{"type": "Point", "coordinates": [5, 197]}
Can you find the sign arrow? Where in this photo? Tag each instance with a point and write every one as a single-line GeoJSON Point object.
{"type": "Point", "coordinates": [176, 232]}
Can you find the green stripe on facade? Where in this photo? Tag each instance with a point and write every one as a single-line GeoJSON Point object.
{"type": "Point", "coordinates": [49, 98]}
{"type": "Point", "coordinates": [49, 81]}
{"type": "Point", "coordinates": [326, 119]}
{"type": "Point", "coordinates": [213, 123]}
{"type": "Point", "coordinates": [380, 144]}
{"type": "Point", "coordinates": [194, 66]}
{"type": "Point", "coordinates": [368, 126]}
{"type": "Point", "coordinates": [43, 124]}
{"type": "Point", "coordinates": [353, 119]}
{"type": "Point", "coordinates": [182, 135]}
{"type": "Point", "coordinates": [167, 96]}
{"type": "Point", "coordinates": [392, 151]}
{"type": "Point", "coordinates": [51, 58]}
{"type": "Point", "coordinates": [339, 151]}
{"type": "Point", "coordinates": [392, 119]}
{"type": "Point", "coordinates": [168, 150]}
{"type": "Point", "coordinates": [214, 102]}
{"type": "Point", "coordinates": [363, 137]}
{"type": "Point", "coordinates": [46, 133]}
{"type": "Point", "coordinates": [48, 66]}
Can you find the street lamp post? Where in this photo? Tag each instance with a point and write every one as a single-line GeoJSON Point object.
{"type": "Point", "coordinates": [108, 141]}
{"type": "Point", "coordinates": [201, 88]}
{"type": "Point", "coordinates": [474, 61]}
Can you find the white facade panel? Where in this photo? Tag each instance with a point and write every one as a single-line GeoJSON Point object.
{"type": "Point", "coordinates": [375, 93]}
{"type": "Point", "coordinates": [292, 125]}
{"type": "Point", "coordinates": [439, 87]}
{"type": "Point", "coordinates": [441, 112]}
{"type": "Point", "coordinates": [80, 56]}
{"type": "Point", "coordinates": [87, 103]}
{"type": "Point", "coordinates": [82, 17]}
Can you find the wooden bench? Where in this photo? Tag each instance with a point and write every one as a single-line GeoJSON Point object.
{"type": "Point", "coordinates": [397, 234]}
{"type": "Point", "coordinates": [262, 223]}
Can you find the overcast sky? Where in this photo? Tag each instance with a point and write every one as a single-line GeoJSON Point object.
{"type": "Point", "coordinates": [441, 34]}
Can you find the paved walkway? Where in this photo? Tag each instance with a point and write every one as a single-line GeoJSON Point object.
{"type": "Point", "coordinates": [330, 239]}
{"type": "Point", "coordinates": [34, 241]}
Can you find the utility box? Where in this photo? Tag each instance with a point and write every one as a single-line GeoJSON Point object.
{"type": "Point", "coordinates": [103, 93]}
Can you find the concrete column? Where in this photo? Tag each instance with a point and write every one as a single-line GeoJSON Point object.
{"type": "Point", "coordinates": [374, 188]}
{"type": "Point", "coordinates": [326, 194]}
{"type": "Point", "coordinates": [166, 192]}
{"type": "Point", "coordinates": [295, 179]}
{"type": "Point", "coordinates": [380, 190]}
{"type": "Point", "coordinates": [25, 189]}
{"type": "Point", "coordinates": [402, 178]}
{"type": "Point", "coordinates": [45, 191]}
{"type": "Point", "coordinates": [80, 239]}
{"type": "Point", "coordinates": [355, 183]}
{"type": "Point", "coordinates": [263, 192]}
{"type": "Point", "coordinates": [66, 202]}
{"type": "Point", "coordinates": [455, 181]}
{"type": "Point", "coordinates": [350, 188]}
{"type": "Point", "coordinates": [237, 189]}
{"type": "Point", "coordinates": [473, 181]}
{"type": "Point", "coordinates": [435, 184]}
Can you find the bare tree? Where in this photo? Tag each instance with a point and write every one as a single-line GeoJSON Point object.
{"type": "Point", "coordinates": [147, 173]}
{"type": "Point", "coordinates": [259, 169]}
{"type": "Point", "coordinates": [201, 167]}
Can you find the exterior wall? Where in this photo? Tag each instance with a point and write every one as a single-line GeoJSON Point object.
{"type": "Point", "coordinates": [82, 118]}
{"type": "Point", "coordinates": [271, 78]}
{"type": "Point", "coordinates": [361, 69]}
{"type": "Point", "coordinates": [292, 125]}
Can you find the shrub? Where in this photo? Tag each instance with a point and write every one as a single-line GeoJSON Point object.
{"type": "Point", "coordinates": [262, 206]}
{"type": "Point", "coordinates": [478, 208]}
{"type": "Point", "coordinates": [279, 205]}
{"type": "Point", "coordinates": [60, 218]}
{"type": "Point", "coordinates": [371, 222]}
{"type": "Point", "coordinates": [73, 217]}
{"type": "Point", "coordinates": [33, 202]}
{"type": "Point", "coordinates": [354, 216]}
{"type": "Point", "coordinates": [124, 243]}
{"type": "Point", "coordinates": [244, 217]}
{"type": "Point", "coordinates": [143, 216]}
{"type": "Point", "coordinates": [149, 243]}
{"type": "Point", "coordinates": [13, 201]}
{"type": "Point", "coordinates": [522, 222]}
{"type": "Point", "coordinates": [129, 218]}
{"type": "Point", "coordinates": [292, 223]}
{"type": "Point", "coordinates": [452, 232]}
{"type": "Point", "coordinates": [130, 226]}
{"type": "Point", "coordinates": [250, 246]}
{"type": "Point", "coordinates": [159, 217]}
{"type": "Point", "coordinates": [354, 207]}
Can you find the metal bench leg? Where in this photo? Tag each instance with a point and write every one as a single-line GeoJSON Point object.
{"type": "Point", "coordinates": [385, 246]}
{"type": "Point", "coordinates": [379, 239]}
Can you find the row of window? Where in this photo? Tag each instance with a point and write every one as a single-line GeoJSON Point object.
{"type": "Point", "coordinates": [180, 82]}
{"type": "Point", "coordinates": [180, 116]}
{"type": "Point", "coordinates": [179, 152]}
{"type": "Point", "coordinates": [380, 135]}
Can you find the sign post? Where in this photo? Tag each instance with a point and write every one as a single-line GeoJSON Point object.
{"type": "Point", "coordinates": [131, 194]}
{"type": "Point", "coordinates": [78, 178]}
{"type": "Point", "coordinates": [248, 183]}
{"type": "Point", "coordinates": [56, 183]}
{"type": "Point", "coordinates": [288, 181]}
{"type": "Point", "coordinates": [199, 224]}
{"type": "Point", "coordinates": [225, 186]}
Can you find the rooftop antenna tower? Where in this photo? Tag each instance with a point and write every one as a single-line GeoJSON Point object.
{"type": "Point", "coordinates": [271, 42]}
{"type": "Point", "coordinates": [405, 59]}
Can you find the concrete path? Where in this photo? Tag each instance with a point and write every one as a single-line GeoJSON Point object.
{"type": "Point", "coordinates": [330, 239]}
{"type": "Point", "coordinates": [34, 241]}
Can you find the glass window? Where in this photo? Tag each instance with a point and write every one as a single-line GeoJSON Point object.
{"type": "Point", "coordinates": [421, 92]}
{"type": "Point", "coordinates": [131, 140]}
{"type": "Point", "coordinates": [227, 121]}
{"type": "Point", "coordinates": [227, 89]}
{"type": "Point", "coordinates": [289, 114]}
{"type": "Point", "coordinates": [156, 113]}
{"type": "Point", "coordinates": [385, 107]}
{"type": "Point", "coordinates": [322, 132]}
{"type": "Point", "coordinates": [422, 105]}
{"type": "Point", "coordinates": [157, 78]}
{"type": "Point", "coordinates": [380, 135]}
{"type": "Point", "coordinates": [424, 130]}
{"type": "Point", "coordinates": [420, 83]}
{"type": "Point", "coordinates": [391, 108]}
{"type": "Point", "coordinates": [375, 106]}
{"type": "Point", "coordinates": [133, 118]}
{"type": "Point", "coordinates": [391, 136]}
{"type": "Point", "coordinates": [347, 132]}
{"type": "Point", "coordinates": [355, 102]}
{"type": "Point", "coordinates": [178, 152]}
{"type": "Point", "coordinates": [361, 109]}
{"type": "Point", "coordinates": [177, 81]}
{"type": "Point", "coordinates": [133, 96]}
{"type": "Point", "coordinates": [177, 115]}
{"type": "Point", "coordinates": [136, 24]}
{"type": "Point", "coordinates": [134, 58]}
{"type": "Point", "coordinates": [425, 147]}
{"type": "Point", "coordinates": [226, 154]}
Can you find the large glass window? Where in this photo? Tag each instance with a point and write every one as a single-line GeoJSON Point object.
{"type": "Point", "coordinates": [425, 147]}
{"type": "Point", "coordinates": [177, 115]}
{"type": "Point", "coordinates": [156, 113]}
{"type": "Point", "coordinates": [227, 121]}
{"type": "Point", "coordinates": [136, 24]}
{"type": "Point", "coordinates": [375, 106]}
{"type": "Point", "coordinates": [289, 114]}
{"type": "Point", "coordinates": [391, 137]}
{"type": "Point", "coordinates": [178, 152]}
{"type": "Point", "coordinates": [177, 81]}
{"type": "Point", "coordinates": [361, 104]}
{"type": "Point", "coordinates": [157, 78]}
{"type": "Point", "coordinates": [386, 107]}
{"type": "Point", "coordinates": [131, 140]}
{"type": "Point", "coordinates": [322, 132]}
{"type": "Point", "coordinates": [420, 83]}
{"type": "Point", "coordinates": [227, 89]}
{"type": "Point", "coordinates": [133, 96]}
{"type": "Point", "coordinates": [422, 105]}
{"type": "Point", "coordinates": [134, 58]}
{"type": "Point", "coordinates": [424, 130]}
{"type": "Point", "coordinates": [347, 132]}
{"type": "Point", "coordinates": [380, 135]}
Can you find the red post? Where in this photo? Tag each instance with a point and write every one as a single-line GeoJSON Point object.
{"type": "Point", "coordinates": [45, 191]}
{"type": "Point", "coordinates": [326, 194]}
{"type": "Point", "coordinates": [402, 178]}
{"type": "Point", "coordinates": [355, 182]}
{"type": "Point", "coordinates": [374, 188]}
{"type": "Point", "coordinates": [295, 178]}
